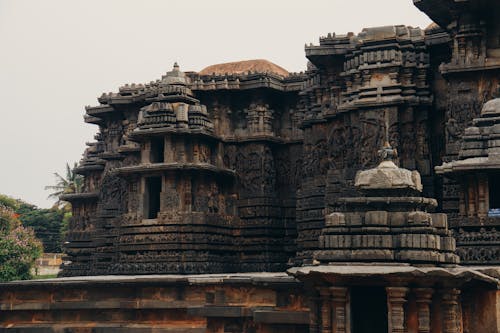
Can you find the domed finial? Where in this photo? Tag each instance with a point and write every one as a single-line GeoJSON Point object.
{"type": "Point", "coordinates": [387, 153]}
{"type": "Point", "coordinates": [491, 108]}
{"type": "Point", "coordinates": [176, 66]}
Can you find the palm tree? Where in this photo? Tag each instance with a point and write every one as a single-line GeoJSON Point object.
{"type": "Point", "coordinates": [72, 183]}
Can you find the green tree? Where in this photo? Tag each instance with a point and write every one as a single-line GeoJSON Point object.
{"type": "Point", "coordinates": [72, 183]}
{"type": "Point", "coordinates": [48, 224]}
{"type": "Point", "coordinates": [19, 247]}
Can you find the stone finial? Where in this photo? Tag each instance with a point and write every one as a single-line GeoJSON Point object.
{"type": "Point", "coordinates": [387, 153]}
{"type": "Point", "coordinates": [491, 107]}
{"type": "Point", "coordinates": [387, 175]}
{"type": "Point", "coordinates": [175, 76]}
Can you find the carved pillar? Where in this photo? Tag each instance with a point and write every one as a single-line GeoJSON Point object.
{"type": "Point", "coordinates": [315, 305]}
{"type": "Point", "coordinates": [471, 183]}
{"type": "Point", "coordinates": [168, 152]}
{"type": "Point", "coordinates": [146, 152]}
{"type": "Point", "coordinates": [462, 206]}
{"type": "Point", "coordinates": [326, 311]}
{"type": "Point", "coordinates": [424, 300]}
{"type": "Point", "coordinates": [196, 151]}
{"type": "Point", "coordinates": [483, 196]}
{"type": "Point", "coordinates": [219, 152]}
{"type": "Point", "coordinates": [188, 195]}
{"type": "Point", "coordinates": [180, 151]}
{"type": "Point", "coordinates": [143, 202]}
{"type": "Point", "coordinates": [451, 311]}
{"type": "Point", "coordinates": [396, 298]}
{"type": "Point", "coordinates": [341, 313]}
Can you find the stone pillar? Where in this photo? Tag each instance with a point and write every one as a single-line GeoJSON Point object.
{"type": "Point", "coordinates": [483, 196]}
{"type": "Point", "coordinates": [196, 151]}
{"type": "Point", "coordinates": [315, 305]}
{"type": "Point", "coordinates": [424, 300]}
{"type": "Point", "coordinates": [180, 148]}
{"type": "Point", "coordinates": [168, 152]}
{"type": "Point", "coordinates": [219, 152]}
{"type": "Point", "coordinates": [326, 311]}
{"type": "Point", "coordinates": [188, 195]}
{"type": "Point", "coordinates": [471, 204]}
{"type": "Point", "coordinates": [462, 205]}
{"type": "Point", "coordinates": [146, 152]}
{"type": "Point", "coordinates": [341, 313]}
{"type": "Point", "coordinates": [452, 318]}
{"type": "Point", "coordinates": [142, 198]}
{"type": "Point", "coordinates": [396, 298]}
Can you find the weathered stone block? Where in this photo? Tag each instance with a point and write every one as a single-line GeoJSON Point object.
{"type": "Point", "coordinates": [418, 256]}
{"type": "Point", "coordinates": [419, 218]}
{"type": "Point", "coordinates": [376, 218]}
{"type": "Point", "coordinates": [372, 254]}
{"type": "Point", "coordinates": [354, 219]}
{"type": "Point", "coordinates": [321, 241]}
{"type": "Point", "coordinates": [448, 244]}
{"type": "Point", "coordinates": [342, 241]}
{"type": "Point", "coordinates": [439, 220]}
{"type": "Point", "coordinates": [397, 218]}
{"type": "Point", "coordinates": [419, 241]}
{"type": "Point", "coordinates": [335, 219]}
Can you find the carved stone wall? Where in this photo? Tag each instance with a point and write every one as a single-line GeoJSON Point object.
{"type": "Point", "coordinates": [261, 157]}
{"type": "Point", "coordinates": [188, 185]}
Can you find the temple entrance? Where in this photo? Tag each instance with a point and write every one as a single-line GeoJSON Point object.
{"type": "Point", "coordinates": [369, 310]}
{"type": "Point", "coordinates": [152, 202]}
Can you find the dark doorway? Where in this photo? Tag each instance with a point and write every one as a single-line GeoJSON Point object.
{"type": "Point", "coordinates": [153, 189]}
{"type": "Point", "coordinates": [369, 310]}
{"type": "Point", "coordinates": [157, 150]}
{"type": "Point", "coordinates": [494, 189]}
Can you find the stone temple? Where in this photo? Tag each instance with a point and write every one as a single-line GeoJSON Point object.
{"type": "Point", "coordinates": [361, 195]}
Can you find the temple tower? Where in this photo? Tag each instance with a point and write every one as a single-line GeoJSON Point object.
{"type": "Point", "coordinates": [363, 90]}
{"type": "Point", "coordinates": [465, 43]}
{"type": "Point", "coordinates": [180, 214]}
{"type": "Point", "coordinates": [477, 172]}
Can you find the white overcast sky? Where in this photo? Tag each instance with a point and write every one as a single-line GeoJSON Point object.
{"type": "Point", "coordinates": [56, 56]}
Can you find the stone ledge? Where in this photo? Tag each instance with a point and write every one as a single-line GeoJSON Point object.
{"type": "Point", "coordinates": [119, 328]}
{"type": "Point", "coordinates": [457, 274]}
{"type": "Point", "coordinates": [196, 279]}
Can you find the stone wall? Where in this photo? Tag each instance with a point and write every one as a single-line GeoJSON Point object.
{"type": "Point", "coordinates": [424, 300]}
{"type": "Point", "coordinates": [207, 303]}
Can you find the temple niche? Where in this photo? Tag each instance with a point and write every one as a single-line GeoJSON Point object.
{"type": "Point", "coordinates": [361, 195]}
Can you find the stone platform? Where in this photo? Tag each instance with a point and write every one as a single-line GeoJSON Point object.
{"type": "Point", "coordinates": [247, 302]}
{"type": "Point", "coordinates": [253, 302]}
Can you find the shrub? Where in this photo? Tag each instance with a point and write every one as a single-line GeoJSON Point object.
{"type": "Point", "coordinates": [19, 247]}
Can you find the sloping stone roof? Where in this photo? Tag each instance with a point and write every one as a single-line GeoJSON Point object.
{"type": "Point", "coordinates": [245, 66]}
